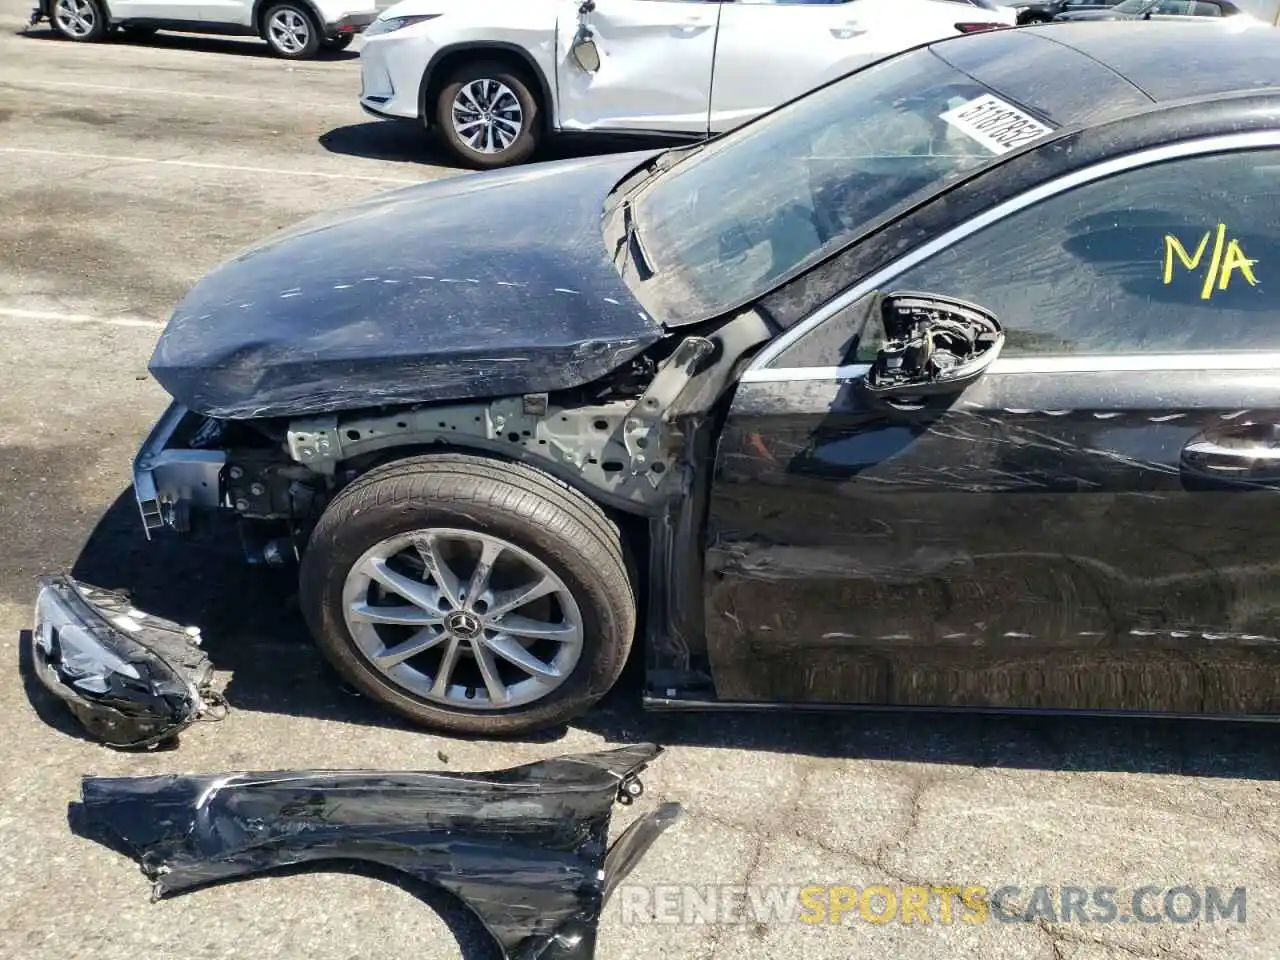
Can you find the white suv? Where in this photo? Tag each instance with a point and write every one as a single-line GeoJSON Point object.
{"type": "Point", "coordinates": [495, 75]}
{"type": "Point", "coordinates": [296, 29]}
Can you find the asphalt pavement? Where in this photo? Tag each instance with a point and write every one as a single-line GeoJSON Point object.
{"type": "Point", "coordinates": [128, 170]}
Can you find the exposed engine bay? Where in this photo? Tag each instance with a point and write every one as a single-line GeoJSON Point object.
{"type": "Point", "coordinates": [623, 437]}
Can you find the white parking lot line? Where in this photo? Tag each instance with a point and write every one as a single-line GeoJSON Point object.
{"type": "Point", "coordinates": [157, 92]}
{"type": "Point", "coordinates": [50, 316]}
{"type": "Point", "coordinates": [199, 165]}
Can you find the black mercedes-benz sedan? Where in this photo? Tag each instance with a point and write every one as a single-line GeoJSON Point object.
{"type": "Point", "coordinates": [952, 384]}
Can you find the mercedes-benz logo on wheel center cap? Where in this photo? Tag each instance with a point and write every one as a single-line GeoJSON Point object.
{"type": "Point", "coordinates": [462, 624]}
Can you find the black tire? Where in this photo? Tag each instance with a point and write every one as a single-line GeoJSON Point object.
{"type": "Point", "coordinates": [337, 44]}
{"type": "Point", "coordinates": [305, 51]}
{"type": "Point", "coordinates": [560, 527]}
{"type": "Point", "coordinates": [68, 31]}
{"type": "Point", "coordinates": [525, 142]}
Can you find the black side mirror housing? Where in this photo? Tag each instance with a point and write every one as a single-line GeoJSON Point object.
{"type": "Point", "coordinates": [933, 345]}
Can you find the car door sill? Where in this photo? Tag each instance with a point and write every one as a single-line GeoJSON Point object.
{"type": "Point", "coordinates": [623, 133]}
{"type": "Point", "coordinates": [671, 704]}
{"type": "Point", "coordinates": [215, 27]}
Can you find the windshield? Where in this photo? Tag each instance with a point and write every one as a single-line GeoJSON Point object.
{"type": "Point", "coordinates": [721, 226]}
{"type": "Point", "coordinates": [1132, 6]}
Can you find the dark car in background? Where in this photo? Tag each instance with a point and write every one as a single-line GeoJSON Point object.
{"type": "Point", "coordinates": [1043, 11]}
{"type": "Point", "coordinates": [1159, 10]}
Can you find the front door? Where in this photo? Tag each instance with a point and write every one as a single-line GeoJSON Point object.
{"type": "Point", "coordinates": [237, 12]}
{"type": "Point", "coordinates": [1093, 524]}
{"type": "Point", "coordinates": [184, 11]}
{"type": "Point", "coordinates": [655, 66]}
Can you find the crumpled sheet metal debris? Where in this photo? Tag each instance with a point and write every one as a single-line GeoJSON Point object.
{"type": "Point", "coordinates": [132, 679]}
{"type": "Point", "coordinates": [524, 848]}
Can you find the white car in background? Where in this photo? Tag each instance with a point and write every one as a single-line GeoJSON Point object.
{"type": "Point", "coordinates": [294, 29]}
{"type": "Point", "coordinates": [494, 76]}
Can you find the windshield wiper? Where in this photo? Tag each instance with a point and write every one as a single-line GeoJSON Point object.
{"type": "Point", "coordinates": [630, 244]}
{"type": "Point", "coordinates": [669, 158]}
{"type": "Point", "coordinates": [660, 164]}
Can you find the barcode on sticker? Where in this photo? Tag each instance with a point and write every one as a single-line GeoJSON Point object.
{"type": "Point", "coordinates": [998, 126]}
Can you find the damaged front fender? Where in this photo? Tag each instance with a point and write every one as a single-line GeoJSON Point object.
{"type": "Point", "coordinates": [626, 452]}
{"type": "Point", "coordinates": [524, 848]}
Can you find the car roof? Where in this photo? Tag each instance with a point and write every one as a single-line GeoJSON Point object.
{"type": "Point", "coordinates": [1089, 73]}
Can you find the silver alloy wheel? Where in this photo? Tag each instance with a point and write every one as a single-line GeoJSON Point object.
{"type": "Point", "coordinates": [76, 17]}
{"type": "Point", "coordinates": [462, 619]}
{"type": "Point", "coordinates": [290, 30]}
{"type": "Point", "coordinates": [487, 116]}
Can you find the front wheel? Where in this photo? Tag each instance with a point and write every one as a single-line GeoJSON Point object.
{"type": "Point", "coordinates": [81, 20]}
{"type": "Point", "coordinates": [488, 115]}
{"type": "Point", "coordinates": [472, 596]}
{"type": "Point", "coordinates": [291, 32]}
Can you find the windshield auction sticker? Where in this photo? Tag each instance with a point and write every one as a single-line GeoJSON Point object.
{"type": "Point", "coordinates": [998, 126]}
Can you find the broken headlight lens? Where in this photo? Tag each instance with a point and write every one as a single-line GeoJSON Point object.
{"type": "Point", "coordinates": [131, 678]}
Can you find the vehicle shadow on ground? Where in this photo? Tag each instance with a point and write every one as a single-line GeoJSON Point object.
{"type": "Point", "coordinates": [405, 141]}
{"type": "Point", "coordinates": [196, 43]}
{"type": "Point", "coordinates": [252, 628]}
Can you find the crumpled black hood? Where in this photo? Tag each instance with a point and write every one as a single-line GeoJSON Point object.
{"type": "Point", "coordinates": [476, 286]}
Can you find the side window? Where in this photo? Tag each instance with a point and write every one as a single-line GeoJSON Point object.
{"type": "Point", "coordinates": [1181, 256]}
{"type": "Point", "coordinates": [1172, 7]}
{"type": "Point", "coordinates": [1202, 9]}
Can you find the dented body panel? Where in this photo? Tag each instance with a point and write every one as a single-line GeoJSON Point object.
{"type": "Point", "coordinates": [1039, 544]}
{"type": "Point", "coordinates": [382, 303]}
{"type": "Point", "coordinates": [526, 848]}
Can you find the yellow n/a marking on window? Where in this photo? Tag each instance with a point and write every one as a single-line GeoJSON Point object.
{"type": "Point", "coordinates": [1227, 258]}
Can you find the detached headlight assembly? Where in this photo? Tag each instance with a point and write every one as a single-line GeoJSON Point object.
{"type": "Point", "coordinates": [392, 24]}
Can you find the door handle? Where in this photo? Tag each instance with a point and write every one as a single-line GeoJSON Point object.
{"type": "Point", "coordinates": [906, 404]}
{"type": "Point", "coordinates": [1247, 460]}
{"type": "Point", "coordinates": [847, 32]}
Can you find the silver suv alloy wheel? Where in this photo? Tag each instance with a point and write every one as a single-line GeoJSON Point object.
{"type": "Point", "coordinates": [289, 30]}
{"type": "Point", "coordinates": [487, 116]}
{"type": "Point", "coordinates": [75, 17]}
{"type": "Point", "coordinates": [462, 619]}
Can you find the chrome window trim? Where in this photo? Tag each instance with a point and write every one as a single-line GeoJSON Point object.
{"type": "Point", "coordinates": [1140, 362]}
{"type": "Point", "coordinates": [1084, 363]}
{"type": "Point", "coordinates": [760, 369]}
